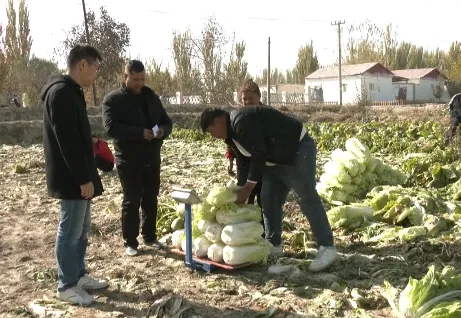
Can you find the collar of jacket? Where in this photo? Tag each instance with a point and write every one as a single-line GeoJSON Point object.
{"type": "Point", "coordinates": [230, 131]}
{"type": "Point", "coordinates": [125, 90]}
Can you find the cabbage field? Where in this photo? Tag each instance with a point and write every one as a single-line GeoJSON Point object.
{"type": "Point", "coordinates": [393, 193]}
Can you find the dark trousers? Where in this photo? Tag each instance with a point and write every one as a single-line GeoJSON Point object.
{"type": "Point", "coordinates": [242, 175]}
{"type": "Point", "coordinates": [455, 121]}
{"type": "Point", "coordinates": [103, 164]}
{"type": "Point", "coordinates": [140, 185]}
{"type": "Point", "coordinates": [255, 195]}
{"type": "Point", "coordinates": [279, 180]}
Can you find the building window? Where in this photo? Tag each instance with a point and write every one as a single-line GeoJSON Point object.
{"type": "Point", "coordinates": [371, 87]}
{"type": "Point", "coordinates": [344, 87]}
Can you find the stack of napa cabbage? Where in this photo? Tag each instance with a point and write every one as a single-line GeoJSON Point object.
{"type": "Point", "coordinates": [224, 231]}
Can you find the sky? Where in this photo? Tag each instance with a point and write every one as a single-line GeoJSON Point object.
{"type": "Point", "coordinates": [290, 24]}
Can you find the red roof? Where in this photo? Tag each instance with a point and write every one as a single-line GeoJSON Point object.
{"type": "Point", "coordinates": [349, 70]}
{"type": "Point", "coordinates": [419, 73]}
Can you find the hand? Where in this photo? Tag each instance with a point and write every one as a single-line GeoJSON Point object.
{"type": "Point", "coordinates": [87, 190]}
{"type": "Point", "coordinates": [242, 194]}
{"type": "Point", "coordinates": [148, 134]}
{"type": "Point", "coordinates": [160, 133]}
{"type": "Point", "coordinates": [230, 167]}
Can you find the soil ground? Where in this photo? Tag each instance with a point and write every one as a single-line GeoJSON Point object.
{"type": "Point", "coordinates": [29, 223]}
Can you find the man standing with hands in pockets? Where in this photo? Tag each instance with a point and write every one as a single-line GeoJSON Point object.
{"type": "Point", "coordinates": [135, 118]}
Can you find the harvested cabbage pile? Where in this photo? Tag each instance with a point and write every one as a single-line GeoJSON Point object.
{"type": "Point", "coordinates": [436, 295]}
{"type": "Point", "coordinates": [396, 213]}
{"type": "Point", "coordinates": [349, 175]}
{"type": "Point", "coordinates": [349, 216]}
{"type": "Point", "coordinates": [226, 232]}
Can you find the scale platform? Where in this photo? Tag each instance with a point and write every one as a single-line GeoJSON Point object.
{"type": "Point", "coordinates": [208, 265]}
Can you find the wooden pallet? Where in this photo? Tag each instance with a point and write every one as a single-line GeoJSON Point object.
{"type": "Point", "coordinates": [209, 263]}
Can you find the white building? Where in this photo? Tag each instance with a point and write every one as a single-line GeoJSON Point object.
{"type": "Point", "coordinates": [417, 84]}
{"type": "Point", "coordinates": [280, 88]}
{"type": "Point", "coordinates": [372, 79]}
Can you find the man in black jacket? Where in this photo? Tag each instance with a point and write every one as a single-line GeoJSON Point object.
{"type": "Point", "coordinates": [71, 173]}
{"type": "Point", "coordinates": [454, 107]}
{"type": "Point", "coordinates": [283, 156]}
{"type": "Point", "coordinates": [134, 116]}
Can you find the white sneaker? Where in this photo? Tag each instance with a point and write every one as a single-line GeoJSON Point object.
{"type": "Point", "coordinates": [325, 257]}
{"type": "Point", "coordinates": [76, 295]}
{"type": "Point", "coordinates": [131, 251]}
{"type": "Point", "coordinates": [276, 251]}
{"type": "Point", "coordinates": [89, 283]}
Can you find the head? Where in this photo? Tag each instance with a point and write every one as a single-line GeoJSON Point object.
{"type": "Point", "coordinates": [83, 64]}
{"type": "Point", "coordinates": [250, 93]}
{"type": "Point", "coordinates": [214, 121]}
{"type": "Point", "coordinates": [135, 76]}
{"type": "Point", "coordinates": [95, 139]}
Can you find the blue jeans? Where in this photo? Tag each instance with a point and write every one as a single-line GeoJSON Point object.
{"type": "Point", "coordinates": [71, 241]}
{"type": "Point", "coordinates": [279, 180]}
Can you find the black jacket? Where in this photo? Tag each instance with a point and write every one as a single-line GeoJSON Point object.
{"type": "Point", "coordinates": [125, 121]}
{"type": "Point", "coordinates": [69, 158]}
{"type": "Point", "coordinates": [455, 105]}
{"type": "Point", "coordinates": [267, 134]}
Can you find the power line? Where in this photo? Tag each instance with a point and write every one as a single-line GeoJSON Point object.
{"type": "Point", "coordinates": [234, 18]}
{"type": "Point", "coordinates": [338, 23]}
{"type": "Point", "coordinates": [245, 18]}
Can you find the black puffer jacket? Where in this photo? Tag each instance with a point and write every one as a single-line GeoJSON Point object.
{"type": "Point", "coordinates": [455, 105]}
{"type": "Point", "coordinates": [125, 121]}
{"type": "Point", "coordinates": [69, 158]}
{"type": "Point", "coordinates": [267, 134]}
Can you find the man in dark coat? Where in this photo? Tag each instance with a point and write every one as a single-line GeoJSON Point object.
{"type": "Point", "coordinates": [283, 156]}
{"type": "Point", "coordinates": [71, 173]}
{"type": "Point", "coordinates": [135, 118]}
{"type": "Point", "coordinates": [455, 116]}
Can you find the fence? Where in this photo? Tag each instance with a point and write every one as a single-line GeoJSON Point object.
{"type": "Point", "coordinates": [278, 99]}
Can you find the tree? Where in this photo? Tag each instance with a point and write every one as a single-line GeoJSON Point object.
{"type": "Point", "coordinates": [235, 70]}
{"type": "Point", "coordinates": [277, 77]}
{"type": "Point", "coordinates": [3, 62]}
{"type": "Point", "coordinates": [187, 76]}
{"type": "Point", "coordinates": [307, 62]}
{"type": "Point", "coordinates": [291, 76]}
{"type": "Point", "coordinates": [454, 75]}
{"type": "Point", "coordinates": [39, 71]}
{"type": "Point", "coordinates": [17, 45]}
{"type": "Point", "coordinates": [364, 43]}
{"type": "Point", "coordinates": [110, 37]}
{"type": "Point", "coordinates": [438, 88]}
{"type": "Point", "coordinates": [10, 40]}
{"type": "Point", "coordinates": [368, 43]}
{"type": "Point", "coordinates": [208, 49]}
{"type": "Point", "coordinates": [24, 38]}
{"type": "Point", "coordinates": [453, 54]}
{"type": "Point", "coordinates": [160, 81]}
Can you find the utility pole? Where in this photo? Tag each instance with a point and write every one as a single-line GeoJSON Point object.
{"type": "Point", "coordinates": [88, 42]}
{"type": "Point", "coordinates": [269, 71]}
{"type": "Point", "coordinates": [338, 23]}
